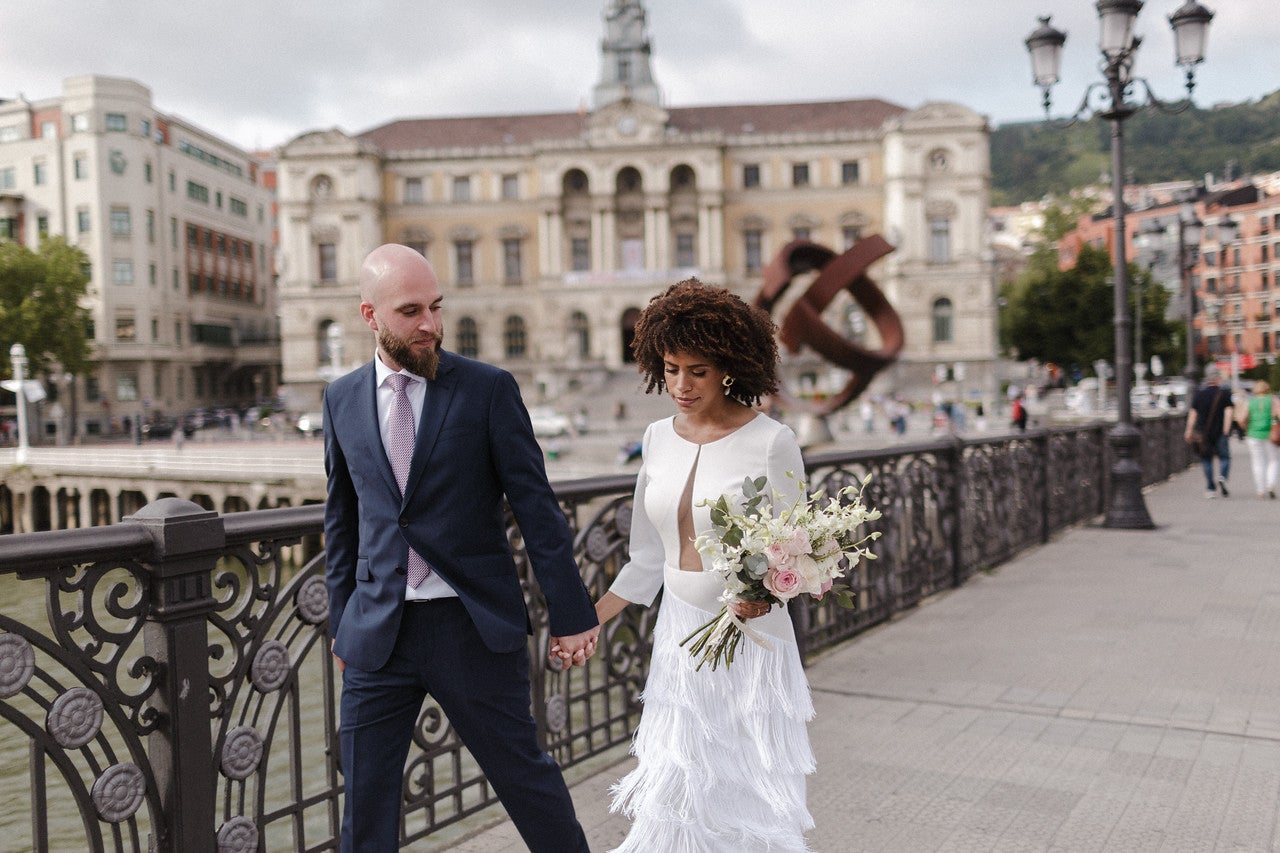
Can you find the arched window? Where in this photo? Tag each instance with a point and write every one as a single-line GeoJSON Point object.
{"type": "Point", "coordinates": [629, 318]}
{"type": "Point", "coordinates": [579, 335]}
{"type": "Point", "coordinates": [468, 338]}
{"type": "Point", "coordinates": [328, 347]}
{"type": "Point", "coordinates": [513, 337]}
{"type": "Point", "coordinates": [942, 314]}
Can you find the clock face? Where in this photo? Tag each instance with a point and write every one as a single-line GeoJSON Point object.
{"type": "Point", "coordinates": [938, 160]}
{"type": "Point", "coordinates": [322, 187]}
{"type": "Point", "coordinates": [627, 125]}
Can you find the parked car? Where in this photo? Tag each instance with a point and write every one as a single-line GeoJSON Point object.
{"type": "Point", "coordinates": [548, 423]}
{"type": "Point", "coordinates": [159, 428]}
{"type": "Point", "coordinates": [310, 423]}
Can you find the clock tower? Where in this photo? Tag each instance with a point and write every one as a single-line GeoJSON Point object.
{"type": "Point", "coordinates": [625, 71]}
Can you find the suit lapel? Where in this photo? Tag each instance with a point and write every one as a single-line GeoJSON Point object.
{"type": "Point", "coordinates": [367, 428]}
{"type": "Point", "coordinates": [435, 407]}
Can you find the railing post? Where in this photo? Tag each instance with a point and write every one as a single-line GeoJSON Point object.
{"type": "Point", "coordinates": [959, 572]}
{"type": "Point", "coordinates": [188, 541]}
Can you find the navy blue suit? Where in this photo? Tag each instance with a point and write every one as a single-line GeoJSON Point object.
{"type": "Point", "coordinates": [474, 444]}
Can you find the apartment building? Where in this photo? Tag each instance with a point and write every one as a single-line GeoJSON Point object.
{"type": "Point", "coordinates": [178, 227]}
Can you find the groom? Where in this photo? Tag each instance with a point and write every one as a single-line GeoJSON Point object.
{"type": "Point", "coordinates": [421, 445]}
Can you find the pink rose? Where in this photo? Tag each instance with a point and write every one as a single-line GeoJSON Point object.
{"type": "Point", "coordinates": [783, 583]}
{"type": "Point", "coordinates": [824, 588]}
{"type": "Point", "coordinates": [797, 543]}
{"type": "Point", "coordinates": [778, 556]}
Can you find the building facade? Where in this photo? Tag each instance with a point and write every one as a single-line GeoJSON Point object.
{"type": "Point", "coordinates": [177, 226]}
{"type": "Point", "coordinates": [1231, 272]}
{"type": "Point", "coordinates": [551, 232]}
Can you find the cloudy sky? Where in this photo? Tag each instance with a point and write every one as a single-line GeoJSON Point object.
{"type": "Point", "coordinates": [259, 73]}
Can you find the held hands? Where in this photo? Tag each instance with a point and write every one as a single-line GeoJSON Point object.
{"type": "Point", "coordinates": [573, 650]}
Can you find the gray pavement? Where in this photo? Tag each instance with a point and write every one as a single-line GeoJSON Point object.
{"type": "Point", "coordinates": [1109, 691]}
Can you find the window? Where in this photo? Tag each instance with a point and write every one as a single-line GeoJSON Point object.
{"type": "Point", "coordinates": [155, 335]}
{"type": "Point", "coordinates": [82, 221]}
{"type": "Point", "coordinates": [8, 228]}
{"type": "Point", "coordinates": [127, 387]}
{"type": "Point", "coordinates": [146, 128]}
{"type": "Point", "coordinates": [851, 234]}
{"type": "Point", "coordinates": [238, 207]}
{"type": "Point", "coordinates": [468, 338]}
{"type": "Point", "coordinates": [42, 225]}
{"type": "Point", "coordinates": [511, 271]}
{"type": "Point", "coordinates": [122, 272]}
{"type": "Point", "coordinates": [48, 130]}
{"type": "Point", "coordinates": [146, 171]}
{"type": "Point", "coordinates": [120, 222]}
{"type": "Point", "coordinates": [1264, 252]}
{"type": "Point", "coordinates": [463, 268]}
{"type": "Point", "coordinates": [685, 255]}
{"type": "Point", "coordinates": [849, 172]}
{"type": "Point", "coordinates": [799, 174]}
{"type": "Point", "coordinates": [942, 313]}
{"type": "Point", "coordinates": [80, 123]}
{"type": "Point", "coordinates": [750, 175]}
{"type": "Point", "coordinates": [579, 335]}
{"type": "Point", "coordinates": [939, 241]}
{"type": "Point", "coordinates": [173, 182]}
{"type": "Point", "coordinates": [413, 191]}
{"type": "Point", "coordinates": [753, 249]}
{"type": "Point", "coordinates": [39, 175]}
{"type": "Point", "coordinates": [117, 122]}
{"type": "Point", "coordinates": [151, 276]}
{"type": "Point", "coordinates": [462, 188]}
{"type": "Point", "coordinates": [80, 167]}
{"type": "Point", "coordinates": [580, 254]}
{"type": "Point", "coordinates": [218, 199]}
{"type": "Point", "coordinates": [8, 178]}
{"type": "Point", "coordinates": [510, 187]}
{"type": "Point", "coordinates": [126, 329]}
{"type": "Point", "coordinates": [418, 246]}
{"type": "Point", "coordinates": [624, 69]}
{"type": "Point", "coordinates": [197, 192]}
{"type": "Point", "coordinates": [328, 261]}
{"type": "Point", "coordinates": [513, 337]}
{"type": "Point", "coordinates": [9, 133]}
{"type": "Point", "coordinates": [151, 226]}
{"type": "Point", "coordinates": [801, 233]}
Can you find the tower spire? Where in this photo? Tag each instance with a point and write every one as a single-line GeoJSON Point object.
{"type": "Point", "coordinates": [625, 70]}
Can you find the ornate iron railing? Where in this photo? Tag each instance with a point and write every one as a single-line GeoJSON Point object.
{"type": "Point", "coordinates": [179, 685]}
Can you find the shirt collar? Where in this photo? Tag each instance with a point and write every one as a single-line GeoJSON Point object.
{"type": "Point", "coordinates": [382, 371]}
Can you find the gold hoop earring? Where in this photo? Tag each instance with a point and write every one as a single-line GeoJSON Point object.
{"type": "Point", "coordinates": [727, 382]}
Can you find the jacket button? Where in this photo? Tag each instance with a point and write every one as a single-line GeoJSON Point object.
{"type": "Point", "coordinates": [400, 570]}
{"type": "Point", "coordinates": [404, 522]}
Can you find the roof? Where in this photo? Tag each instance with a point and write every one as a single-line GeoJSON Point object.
{"type": "Point", "coordinates": [473, 131]}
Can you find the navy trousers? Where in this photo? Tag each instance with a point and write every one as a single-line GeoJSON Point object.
{"type": "Point", "coordinates": [486, 698]}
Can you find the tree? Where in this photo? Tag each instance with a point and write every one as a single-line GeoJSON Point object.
{"type": "Point", "coordinates": [40, 296]}
{"type": "Point", "coordinates": [1067, 316]}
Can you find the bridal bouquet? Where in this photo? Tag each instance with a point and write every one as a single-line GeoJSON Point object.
{"type": "Point", "coordinates": [804, 549]}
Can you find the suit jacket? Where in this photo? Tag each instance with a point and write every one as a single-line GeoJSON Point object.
{"type": "Point", "coordinates": [474, 444]}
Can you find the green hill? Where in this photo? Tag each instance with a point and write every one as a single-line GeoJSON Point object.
{"type": "Point", "coordinates": [1032, 159]}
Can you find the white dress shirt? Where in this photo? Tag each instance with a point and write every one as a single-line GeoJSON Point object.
{"type": "Point", "coordinates": [434, 586]}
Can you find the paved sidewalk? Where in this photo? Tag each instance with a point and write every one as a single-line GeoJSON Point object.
{"type": "Point", "coordinates": [1110, 691]}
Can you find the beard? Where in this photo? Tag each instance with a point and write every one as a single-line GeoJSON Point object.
{"type": "Point", "coordinates": [400, 351]}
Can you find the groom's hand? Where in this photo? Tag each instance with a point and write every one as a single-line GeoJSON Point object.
{"type": "Point", "coordinates": [576, 649]}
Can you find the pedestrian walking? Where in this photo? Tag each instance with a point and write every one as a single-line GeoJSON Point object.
{"type": "Point", "coordinates": [1206, 431]}
{"type": "Point", "coordinates": [1258, 416]}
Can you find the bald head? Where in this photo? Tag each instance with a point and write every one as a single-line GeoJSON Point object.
{"type": "Point", "coordinates": [388, 265]}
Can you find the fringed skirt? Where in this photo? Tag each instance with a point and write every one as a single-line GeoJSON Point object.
{"type": "Point", "coordinates": [722, 755]}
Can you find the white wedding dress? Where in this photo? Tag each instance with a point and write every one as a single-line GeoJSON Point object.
{"type": "Point", "coordinates": [722, 755]}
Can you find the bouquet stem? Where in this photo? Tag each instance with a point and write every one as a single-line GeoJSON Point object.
{"type": "Point", "coordinates": [717, 640]}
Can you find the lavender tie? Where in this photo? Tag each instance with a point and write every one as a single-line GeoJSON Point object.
{"type": "Point", "coordinates": [400, 433]}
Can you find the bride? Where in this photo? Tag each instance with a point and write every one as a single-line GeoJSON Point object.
{"type": "Point", "coordinates": [722, 754]}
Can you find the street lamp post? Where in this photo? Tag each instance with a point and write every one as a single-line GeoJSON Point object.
{"type": "Point", "coordinates": [18, 353]}
{"type": "Point", "coordinates": [1118, 44]}
{"type": "Point", "coordinates": [1189, 230]}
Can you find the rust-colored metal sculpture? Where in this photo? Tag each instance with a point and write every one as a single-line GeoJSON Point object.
{"type": "Point", "coordinates": [803, 323]}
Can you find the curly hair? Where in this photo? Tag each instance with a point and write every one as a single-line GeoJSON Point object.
{"type": "Point", "coordinates": [693, 318]}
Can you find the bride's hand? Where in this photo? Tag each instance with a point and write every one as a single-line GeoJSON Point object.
{"type": "Point", "coordinates": [750, 609]}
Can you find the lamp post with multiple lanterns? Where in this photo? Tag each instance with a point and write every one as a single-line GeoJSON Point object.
{"type": "Point", "coordinates": [1118, 44]}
